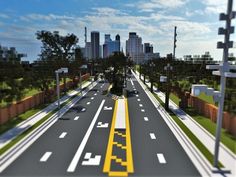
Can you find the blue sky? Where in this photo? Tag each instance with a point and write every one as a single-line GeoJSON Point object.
{"type": "Point", "coordinates": [153, 20]}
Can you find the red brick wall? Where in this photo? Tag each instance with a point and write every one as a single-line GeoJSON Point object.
{"type": "Point", "coordinates": [20, 107]}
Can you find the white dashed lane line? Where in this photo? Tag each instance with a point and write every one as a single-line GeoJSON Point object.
{"type": "Point", "coordinates": [140, 105]}
{"type": "Point", "coordinates": [145, 118]}
{"type": "Point", "coordinates": [138, 99]}
{"type": "Point", "coordinates": [142, 110]}
{"type": "Point", "coordinates": [76, 118]}
{"type": "Point", "coordinates": [161, 158]}
{"type": "Point", "coordinates": [63, 135]}
{"type": "Point", "coordinates": [153, 136]}
{"type": "Point", "coordinates": [95, 94]}
{"type": "Point", "coordinates": [92, 98]}
{"type": "Point", "coordinates": [136, 95]}
{"type": "Point", "coordinates": [45, 157]}
{"type": "Point", "coordinates": [88, 103]}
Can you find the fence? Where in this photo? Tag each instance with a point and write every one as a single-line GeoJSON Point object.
{"type": "Point", "coordinates": [210, 111]}
{"type": "Point", "coordinates": [15, 109]}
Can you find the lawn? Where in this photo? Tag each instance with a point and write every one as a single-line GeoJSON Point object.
{"type": "Point", "coordinates": [227, 139]}
{"type": "Point", "coordinates": [206, 98]}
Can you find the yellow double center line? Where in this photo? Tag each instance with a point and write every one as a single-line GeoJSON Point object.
{"type": "Point", "coordinates": [128, 148]}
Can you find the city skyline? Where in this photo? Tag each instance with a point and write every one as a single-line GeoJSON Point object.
{"type": "Point", "coordinates": [153, 20]}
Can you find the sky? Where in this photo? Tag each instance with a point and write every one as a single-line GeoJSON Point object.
{"type": "Point", "coordinates": [197, 23]}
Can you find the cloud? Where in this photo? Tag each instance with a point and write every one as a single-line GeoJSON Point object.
{"type": "Point", "coordinates": [215, 6]}
{"type": "Point", "coordinates": [151, 5]}
{"type": "Point", "coordinates": [49, 17]}
{"type": "Point", "coordinates": [4, 16]}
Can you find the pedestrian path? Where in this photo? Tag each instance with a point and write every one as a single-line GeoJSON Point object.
{"type": "Point", "coordinates": [8, 136]}
{"type": "Point", "coordinates": [226, 157]}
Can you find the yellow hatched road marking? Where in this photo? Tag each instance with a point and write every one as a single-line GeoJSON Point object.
{"type": "Point", "coordinates": [130, 167]}
{"type": "Point", "coordinates": [109, 157]}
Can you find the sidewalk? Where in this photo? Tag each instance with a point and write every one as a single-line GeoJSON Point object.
{"type": "Point", "coordinates": [226, 157]}
{"type": "Point", "coordinates": [8, 136]}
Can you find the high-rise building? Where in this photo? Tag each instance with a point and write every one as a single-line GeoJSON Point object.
{"type": "Point", "coordinates": [134, 48]}
{"type": "Point", "coordinates": [95, 47]}
{"type": "Point", "coordinates": [109, 46]}
{"type": "Point", "coordinates": [88, 50]}
{"type": "Point", "coordinates": [148, 48]}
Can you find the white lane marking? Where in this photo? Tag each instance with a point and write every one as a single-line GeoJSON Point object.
{"type": "Point", "coordinates": [97, 90]}
{"type": "Point", "coordinates": [136, 95]}
{"type": "Point", "coordinates": [92, 98]}
{"type": "Point", "coordinates": [138, 99]}
{"type": "Point", "coordinates": [63, 135]}
{"type": "Point", "coordinates": [76, 118]}
{"type": "Point", "coordinates": [83, 110]}
{"type": "Point", "coordinates": [45, 157]}
{"type": "Point", "coordinates": [145, 118]}
{"type": "Point", "coordinates": [102, 125]}
{"type": "Point", "coordinates": [91, 161]}
{"type": "Point", "coordinates": [142, 110]}
{"type": "Point", "coordinates": [161, 158]}
{"type": "Point", "coordinates": [131, 82]}
{"type": "Point", "coordinates": [88, 103]}
{"type": "Point", "coordinates": [153, 136]}
{"type": "Point", "coordinates": [95, 94]}
{"type": "Point", "coordinates": [78, 153]}
{"type": "Point", "coordinates": [140, 105]}
{"type": "Point", "coordinates": [106, 108]}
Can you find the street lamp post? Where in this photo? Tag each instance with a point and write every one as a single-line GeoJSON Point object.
{"type": "Point", "coordinates": [168, 69]}
{"type": "Point", "coordinates": [152, 65]}
{"type": "Point", "coordinates": [57, 72]}
{"type": "Point", "coordinates": [223, 71]}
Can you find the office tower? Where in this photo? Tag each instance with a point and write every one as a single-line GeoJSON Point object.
{"type": "Point", "coordinates": [134, 48]}
{"type": "Point", "coordinates": [95, 47]}
{"type": "Point", "coordinates": [109, 46]}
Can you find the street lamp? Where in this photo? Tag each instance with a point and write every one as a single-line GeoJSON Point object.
{"type": "Point", "coordinates": [61, 70]}
{"type": "Point", "coordinates": [152, 65]}
{"type": "Point", "coordinates": [168, 68]}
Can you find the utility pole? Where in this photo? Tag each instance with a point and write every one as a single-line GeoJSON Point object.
{"type": "Point", "coordinates": [224, 71]}
{"type": "Point", "coordinates": [168, 69]}
{"type": "Point", "coordinates": [175, 40]}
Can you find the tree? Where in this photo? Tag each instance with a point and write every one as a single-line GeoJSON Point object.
{"type": "Point", "coordinates": [57, 50]}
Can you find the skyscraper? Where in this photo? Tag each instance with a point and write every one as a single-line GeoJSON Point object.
{"type": "Point", "coordinates": [95, 47]}
{"type": "Point", "coordinates": [134, 48]}
{"type": "Point", "coordinates": [109, 46]}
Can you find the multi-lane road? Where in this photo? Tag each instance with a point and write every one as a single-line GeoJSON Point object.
{"type": "Point", "coordinates": [76, 145]}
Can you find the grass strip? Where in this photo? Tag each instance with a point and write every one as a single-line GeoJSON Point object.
{"type": "Point", "coordinates": [209, 156]}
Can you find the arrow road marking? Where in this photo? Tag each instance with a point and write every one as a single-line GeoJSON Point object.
{"type": "Point", "coordinates": [91, 161]}
{"type": "Point", "coordinates": [106, 108]}
{"type": "Point", "coordinates": [101, 125]}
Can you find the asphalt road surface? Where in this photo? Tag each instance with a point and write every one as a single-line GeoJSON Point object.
{"type": "Point", "coordinates": [76, 145]}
